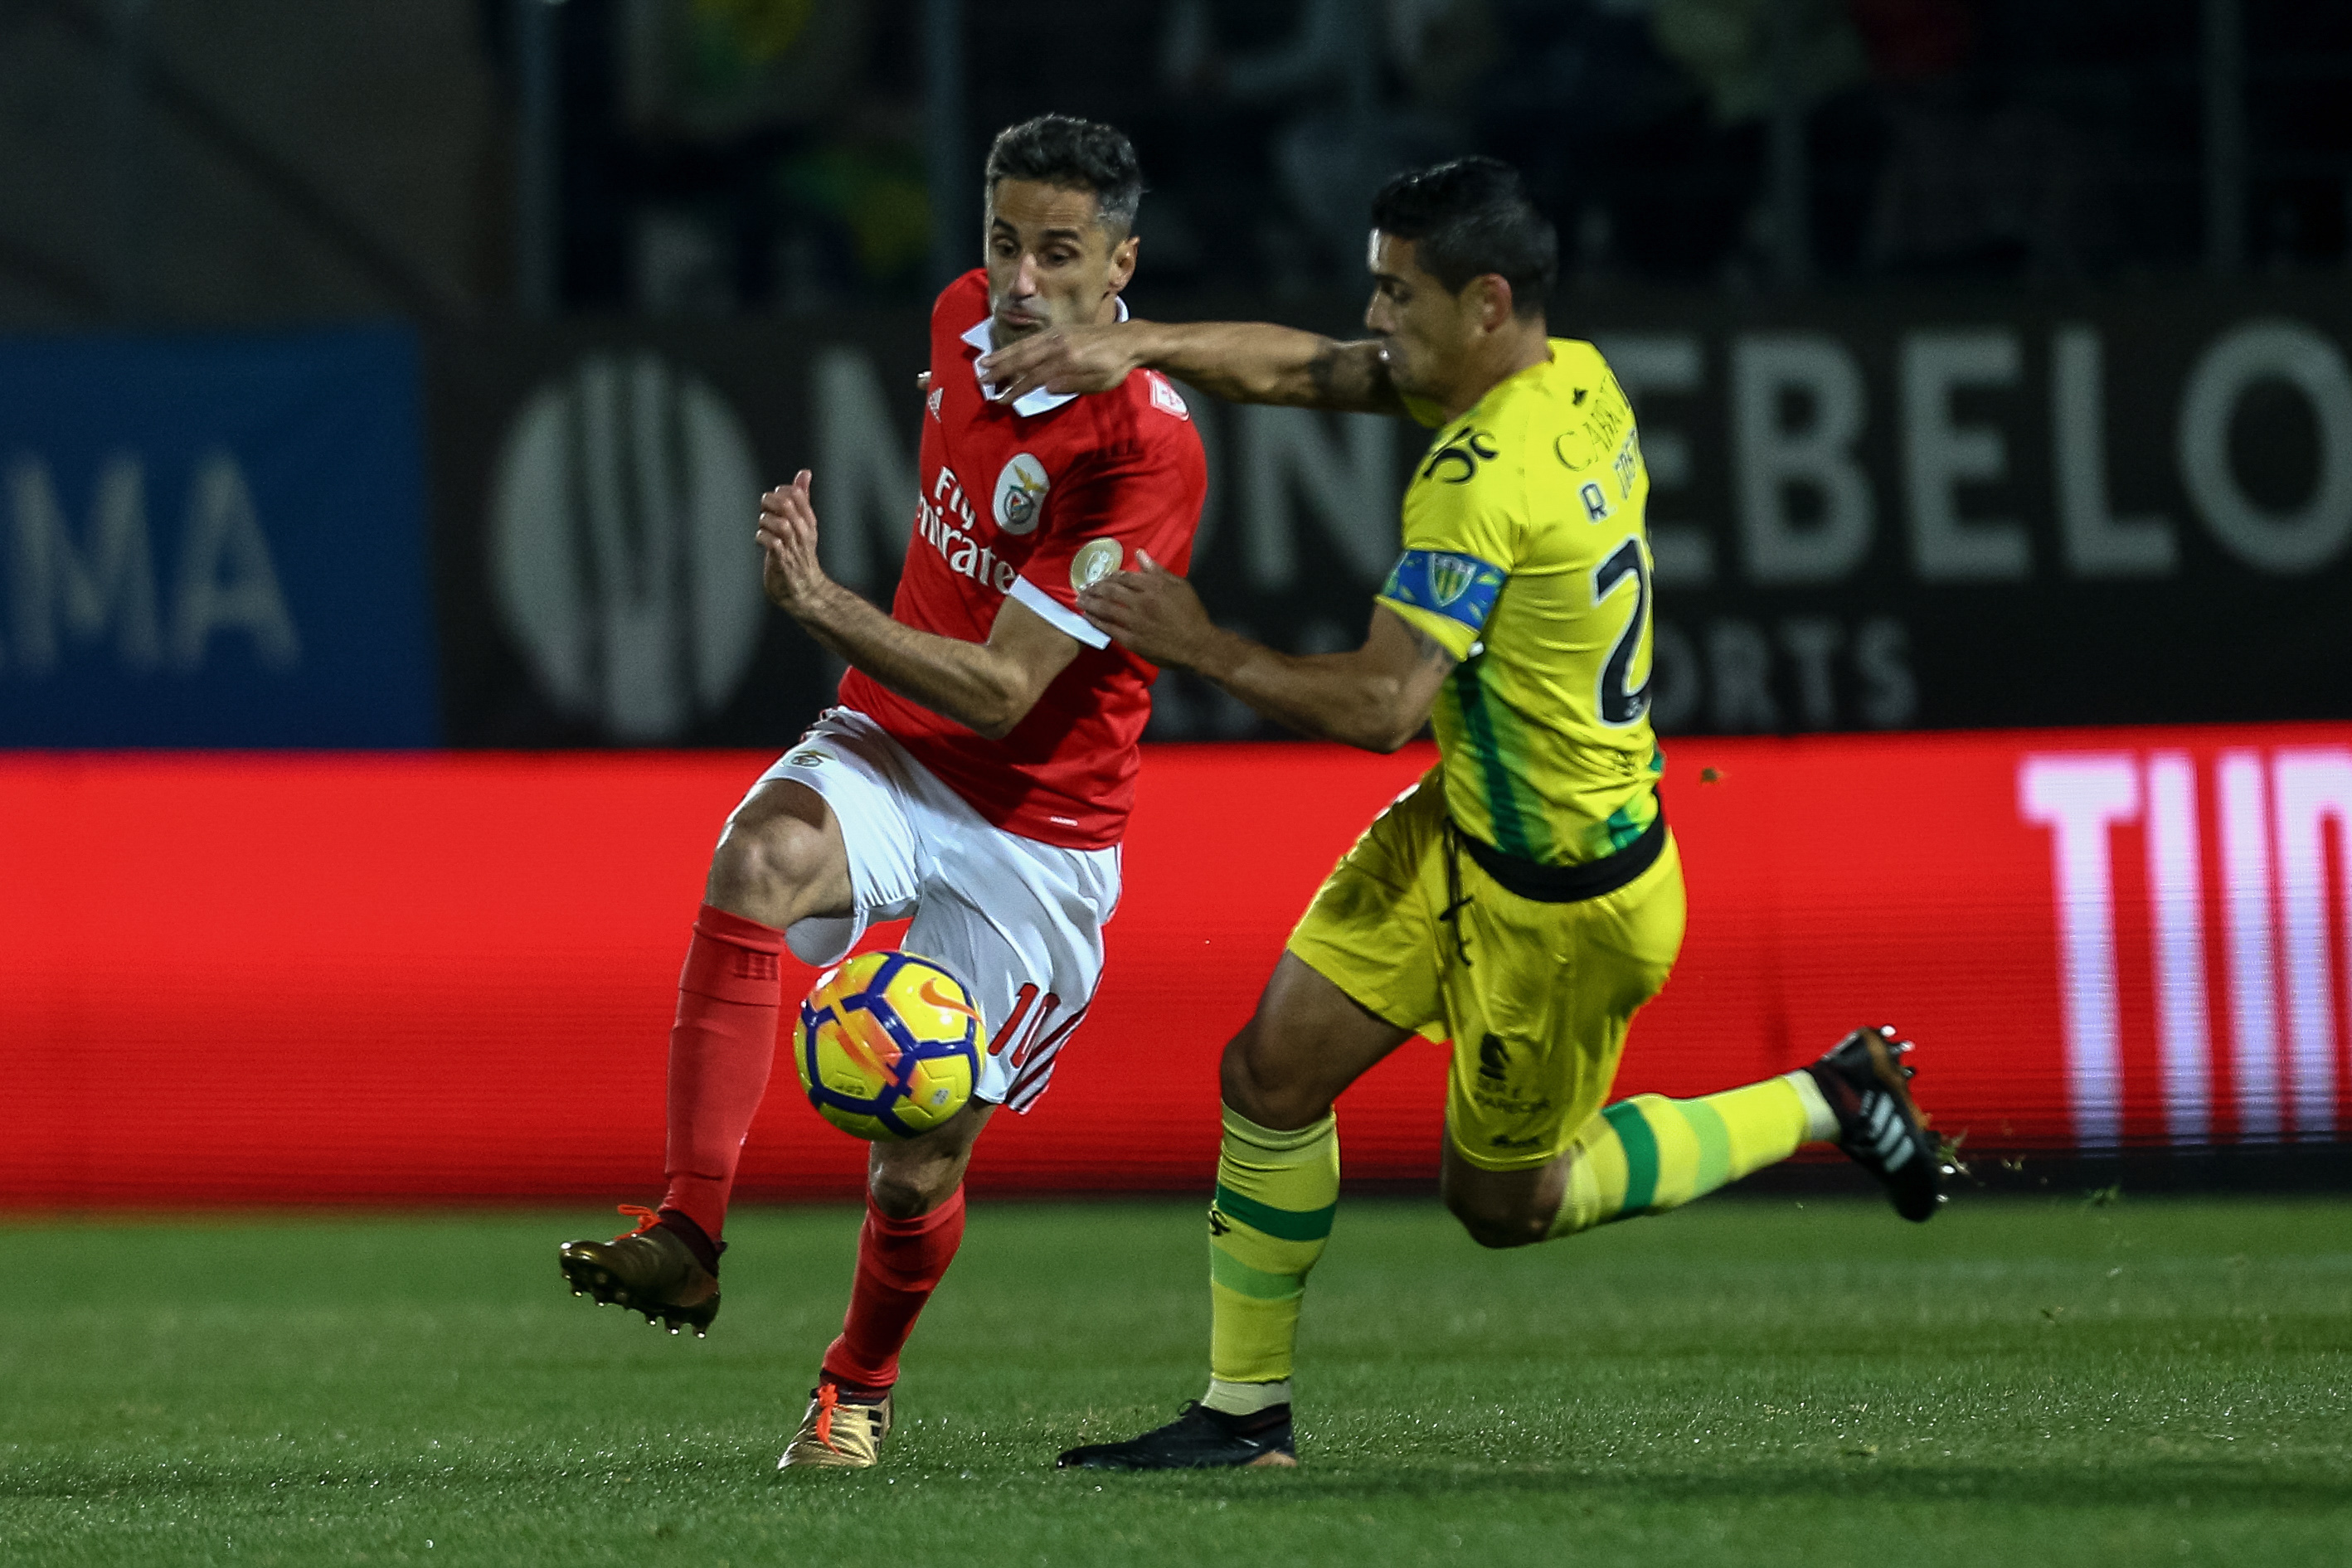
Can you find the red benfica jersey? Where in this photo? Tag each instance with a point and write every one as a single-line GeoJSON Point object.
{"type": "Point", "coordinates": [1033, 501]}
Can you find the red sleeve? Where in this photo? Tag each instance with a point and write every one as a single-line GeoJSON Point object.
{"type": "Point", "coordinates": [1143, 495]}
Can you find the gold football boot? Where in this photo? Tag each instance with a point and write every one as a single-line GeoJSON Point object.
{"type": "Point", "coordinates": [649, 1270]}
{"type": "Point", "coordinates": [838, 1433]}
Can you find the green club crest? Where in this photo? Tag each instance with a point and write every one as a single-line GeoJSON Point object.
{"type": "Point", "coordinates": [1450, 577]}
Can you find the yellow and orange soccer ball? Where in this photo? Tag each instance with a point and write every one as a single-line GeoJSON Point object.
{"type": "Point", "coordinates": [887, 1046]}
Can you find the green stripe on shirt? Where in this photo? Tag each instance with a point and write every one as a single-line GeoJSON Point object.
{"type": "Point", "coordinates": [1496, 761]}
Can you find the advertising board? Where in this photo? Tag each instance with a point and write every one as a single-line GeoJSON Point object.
{"type": "Point", "coordinates": [1909, 509]}
{"type": "Point", "coordinates": [398, 978]}
{"type": "Point", "coordinates": [214, 540]}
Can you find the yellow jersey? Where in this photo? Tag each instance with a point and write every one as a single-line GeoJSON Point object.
{"type": "Point", "coordinates": [1526, 558]}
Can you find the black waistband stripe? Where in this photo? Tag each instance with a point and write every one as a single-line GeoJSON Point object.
{"type": "Point", "coordinates": [1569, 884]}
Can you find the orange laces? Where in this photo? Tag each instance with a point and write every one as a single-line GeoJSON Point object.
{"type": "Point", "coordinates": [646, 1218]}
{"type": "Point", "coordinates": [828, 1395]}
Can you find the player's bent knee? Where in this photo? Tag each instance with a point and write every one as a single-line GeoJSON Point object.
{"type": "Point", "coordinates": [906, 1195]}
{"type": "Point", "coordinates": [1257, 1086]}
{"type": "Point", "coordinates": [780, 850]}
{"type": "Point", "coordinates": [1501, 1234]}
{"type": "Point", "coordinates": [775, 864]}
{"type": "Point", "coordinates": [906, 1181]}
{"type": "Point", "coordinates": [909, 1188]}
{"type": "Point", "coordinates": [1497, 1228]}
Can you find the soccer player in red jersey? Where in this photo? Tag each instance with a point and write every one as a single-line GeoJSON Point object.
{"type": "Point", "coordinates": [976, 776]}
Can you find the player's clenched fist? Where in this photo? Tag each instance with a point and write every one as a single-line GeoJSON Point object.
{"type": "Point", "coordinates": [1152, 611]}
{"type": "Point", "coordinates": [794, 575]}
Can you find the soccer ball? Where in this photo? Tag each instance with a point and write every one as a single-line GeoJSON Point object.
{"type": "Point", "coordinates": [887, 1046]}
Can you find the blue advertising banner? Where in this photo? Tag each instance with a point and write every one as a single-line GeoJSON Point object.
{"type": "Point", "coordinates": [214, 541]}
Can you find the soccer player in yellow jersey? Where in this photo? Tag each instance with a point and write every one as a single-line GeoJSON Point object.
{"type": "Point", "coordinates": [1526, 897]}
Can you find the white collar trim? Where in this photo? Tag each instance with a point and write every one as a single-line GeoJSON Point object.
{"type": "Point", "coordinates": [1028, 405]}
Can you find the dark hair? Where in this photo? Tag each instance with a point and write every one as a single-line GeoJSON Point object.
{"type": "Point", "coordinates": [1075, 155]}
{"type": "Point", "coordinates": [1468, 218]}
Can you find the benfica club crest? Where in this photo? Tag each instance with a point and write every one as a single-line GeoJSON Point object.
{"type": "Point", "coordinates": [1020, 493]}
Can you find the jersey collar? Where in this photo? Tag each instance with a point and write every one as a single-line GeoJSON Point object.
{"type": "Point", "coordinates": [1028, 405]}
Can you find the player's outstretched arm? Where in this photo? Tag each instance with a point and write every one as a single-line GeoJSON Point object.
{"type": "Point", "coordinates": [988, 687]}
{"type": "Point", "coordinates": [1240, 362]}
{"type": "Point", "coordinates": [1377, 696]}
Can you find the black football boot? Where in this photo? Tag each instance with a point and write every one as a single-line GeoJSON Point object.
{"type": "Point", "coordinates": [1865, 1081]}
{"type": "Point", "coordinates": [1199, 1439]}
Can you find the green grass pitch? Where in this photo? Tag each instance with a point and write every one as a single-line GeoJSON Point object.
{"type": "Point", "coordinates": [2021, 1383]}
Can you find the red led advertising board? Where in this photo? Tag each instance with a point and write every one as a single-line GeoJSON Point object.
{"type": "Point", "coordinates": [337, 977]}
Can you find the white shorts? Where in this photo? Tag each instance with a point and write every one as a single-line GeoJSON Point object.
{"type": "Point", "coordinates": [1018, 921]}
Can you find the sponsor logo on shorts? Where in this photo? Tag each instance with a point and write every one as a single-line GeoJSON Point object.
{"type": "Point", "coordinates": [1494, 1058]}
{"type": "Point", "coordinates": [1095, 559]}
{"type": "Point", "coordinates": [805, 759]}
{"type": "Point", "coordinates": [1504, 1106]}
{"type": "Point", "coordinates": [1020, 493]}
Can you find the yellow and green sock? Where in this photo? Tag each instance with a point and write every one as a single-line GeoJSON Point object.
{"type": "Point", "coordinates": [1277, 1193]}
{"type": "Point", "coordinates": [1650, 1153]}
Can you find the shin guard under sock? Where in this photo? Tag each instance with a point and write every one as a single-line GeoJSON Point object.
{"type": "Point", "coordinates": [721, 1049]}
{"type": "Point", "coordinates": [1648, 1154]}
{"type": "Point", "coordinates": [899, 1263]}
{"type": "Point", "coordinates": [1277, 1193]}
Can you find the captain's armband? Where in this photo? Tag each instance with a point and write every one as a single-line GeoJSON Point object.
{"type": "Point", "coordinates": [1461, 587]}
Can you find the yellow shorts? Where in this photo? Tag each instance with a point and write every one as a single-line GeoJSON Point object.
{"type": "Point", "coordinates": [1537, 997]}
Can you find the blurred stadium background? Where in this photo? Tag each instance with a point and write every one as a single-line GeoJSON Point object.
{"type": "Point", "coordinates": [384, 390]}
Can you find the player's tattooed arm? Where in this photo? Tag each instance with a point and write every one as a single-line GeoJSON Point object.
{"type": "Point", "coordinates": [1430, 649]}
{"type": "Point", "coordinates": [1353, 377]}
{"type": "Point", "coordinates": [1377, 696]}
{"type": "Point", "coordinates": [988, 687]}
{"type": "Point", "coordinates": [1240, 362]}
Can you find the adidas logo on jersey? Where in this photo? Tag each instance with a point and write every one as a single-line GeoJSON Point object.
{"type": "Point", "coordinates": [944, 520]}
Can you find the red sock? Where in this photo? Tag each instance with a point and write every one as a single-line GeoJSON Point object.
{"type": "Point", "coordinates": [899, 1263]}
{"type": "Point", "coordinates": [721, 1049]}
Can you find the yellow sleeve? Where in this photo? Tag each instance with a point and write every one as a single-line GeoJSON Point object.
{"type": "Point", "coordinates": [1464, 518]}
